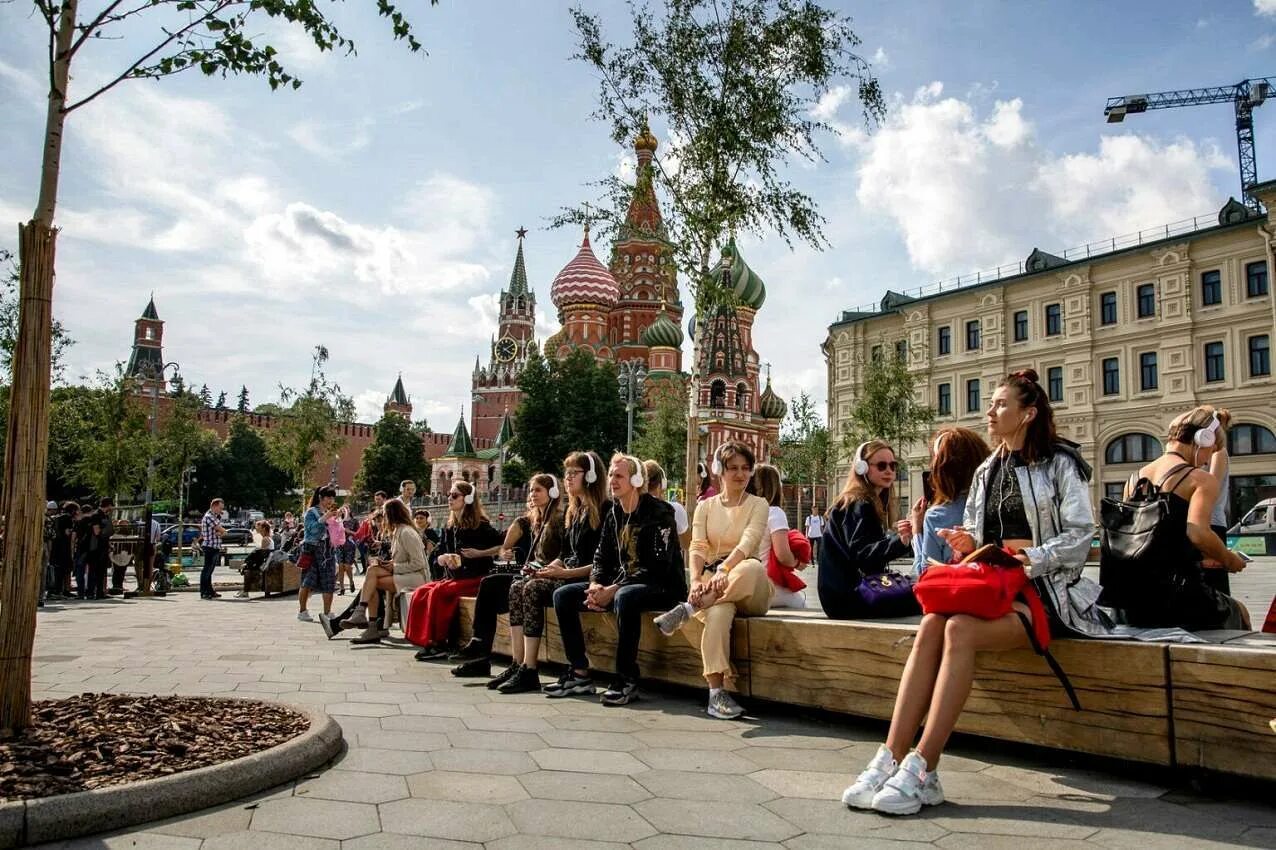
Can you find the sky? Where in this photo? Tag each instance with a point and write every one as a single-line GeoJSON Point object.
{"type": "Point", "coordinates": [373, 210]}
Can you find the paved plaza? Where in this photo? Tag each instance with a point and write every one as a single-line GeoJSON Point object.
{"type": "Point", "coordinates": [436, 762]}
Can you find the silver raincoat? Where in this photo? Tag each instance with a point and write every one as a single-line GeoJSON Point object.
{"type": "Point", "coordinates": [1057, 501]}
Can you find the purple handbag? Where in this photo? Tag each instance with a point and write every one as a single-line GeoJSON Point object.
{"type": "Point", "coordinates": [884, 589]}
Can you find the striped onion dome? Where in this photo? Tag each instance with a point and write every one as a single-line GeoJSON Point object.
{"type": "Point", "coordinates": [744, 281]}
{"type": "Point", "coordinates": [663, 332]}
{"type": "Point", "coordinates": [770, 405]}
{"type": "Point", "coordinates": [584, 281]}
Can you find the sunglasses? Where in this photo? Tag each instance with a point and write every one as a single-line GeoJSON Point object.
{"type": "Point", "coordinates": [455, 495]}
{"type": "Point", "coordinates": [883, 465]}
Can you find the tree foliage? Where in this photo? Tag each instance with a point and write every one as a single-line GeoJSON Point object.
{"type": "Point", "coordinates": [886, 408]}
{"type": "Point", "coordinates": [307, 434]}
{"type": "Point", "coordinates": [9, 326]}
{"type": "Point", "coordinates": [395, 454]}
{"type": "Point", "coordinates": [808, 453]}
{"type": "Point", "coordinates": [242, 405]}
{"type": "Point", "coordinates": [115, 444]}
{"type": "Point", "coordinates": [663, 431]}
{"type": "Point", "coordinates": [181, 438]}
{"type": "Point", "coordinates": [568, 405]}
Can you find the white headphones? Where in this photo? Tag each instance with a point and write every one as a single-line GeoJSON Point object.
{"type": "Point", "coordinates": [639, 479]}
{"type": "Point", "coordinates": [469, 497]}
{"type": "Point", "coordinates": [553, 490]}
{"type": "Point", "coordinates": [861, 465]}
{"type": "Point", "coordinates": [592, 474]}
{"type": "Point", "coordinates": [1207, 436]}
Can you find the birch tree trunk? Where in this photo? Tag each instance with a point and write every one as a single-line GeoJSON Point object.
{"type": "Point", "coordinates": [26, 455]}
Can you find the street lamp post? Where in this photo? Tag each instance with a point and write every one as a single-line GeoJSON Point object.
{"type": "Point", "coordinates": [630, 377]}
{"type": "Point", "coordinates": [148, 546]}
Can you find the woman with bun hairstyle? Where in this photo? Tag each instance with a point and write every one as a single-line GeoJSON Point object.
{"type": "Point", "coordinates": [863, 535]}
{"type": "Point", "coordinates": [1184, 597]}
{"type": "Point", "coordinates": [404, 570]}
{"type": "Point", "coordinates": [1030, 496]}
{"type": "Point", "coordinates": [469, 542]}
{"type": "Point", "coordinates": [955, 455]}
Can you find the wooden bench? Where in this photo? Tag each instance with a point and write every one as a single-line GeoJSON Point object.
{"type": "Point", "coordinates": [1196, 705]}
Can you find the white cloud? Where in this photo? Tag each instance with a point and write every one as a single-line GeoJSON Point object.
{"type": "Point", "coordinates": [968, 190]}
{"type": "Point", "coordinates": [1265, 7]}
{"type": "Point", "coordinates": [369, 405]}
{"type": "Point", "coordinates": [331, 141]}
{"type": "Point", "coordinates": [881, 59]}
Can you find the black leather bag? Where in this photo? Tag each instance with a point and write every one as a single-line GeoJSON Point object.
{"type": "Point", "coordinates": [1138, 549]}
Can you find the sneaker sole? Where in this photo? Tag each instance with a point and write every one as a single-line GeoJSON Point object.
{"type": "Point", "coordinates": [579, 690]}
{"type": "Point", "coordinates": [719, 716]}
{"type": "Point", "coordinates": [911, 807]}
{"type": "Point", "coordinates": [618, 700]}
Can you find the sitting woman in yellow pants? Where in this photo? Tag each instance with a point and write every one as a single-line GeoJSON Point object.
{"type": "Point", "coordinates": [728, 577]}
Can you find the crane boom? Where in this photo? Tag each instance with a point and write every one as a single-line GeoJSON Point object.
{"type": "Point", "coordinates": [1244, 96]}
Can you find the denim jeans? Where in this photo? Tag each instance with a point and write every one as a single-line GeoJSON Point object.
{"type": "Point", "coordinates": [629, 604]}
{"type": "Point", "coordinates": [211, 557]}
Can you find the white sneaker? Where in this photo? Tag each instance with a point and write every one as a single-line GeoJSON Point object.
{"type": "Point", "coordinates": [723, 707]}
{"type": "Point", "coordinates": [912, 787]}
{"type": "Point", "coordinates": [672, 620]}
{"type": "Point", "coordinates": [859, 794]}
{"type": "Point", "coordinates": [304, 616]}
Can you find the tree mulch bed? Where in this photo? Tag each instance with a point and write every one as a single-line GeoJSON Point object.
{"type": "Point", "coordinates": [95, 740]}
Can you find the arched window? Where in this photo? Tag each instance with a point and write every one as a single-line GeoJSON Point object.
{"type": "Point", "coordinates": [1132, 448]}
{"type": "Point", "coordinates": [1251, 440]}
{"type": "Point", "coordinates": [718, 394]}
{"type": "Point", "coordinates": [741, 396]}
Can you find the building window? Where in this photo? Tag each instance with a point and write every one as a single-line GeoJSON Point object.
{"type": "Point", "coordinates": [1147, 300]}
{"type": "Point", "coordinates": [944, 400]}
{"type": "Point", "coordinates": [1111, 376]}
{"type": "Point", "coordinates": [901, 349]}
{"type": "Point", "coordinates": [1132, 448]}
{"type": "Point", "coordinates": [1054, 320]}
{"type": "Point", "coordinates": [1256, 279]}
{"type": "Point", "coordinates": [741, 396]}
{"type": "Point", "coordinates": [1214, 370]}
{"type": "Point", "coordinates": [1021, 326]}
{"type": "Point", "coordinates": [1211, 288]}
{"type": "Point", "coordinates": [1107, 308]}
{"type": "Point", "coordinates": [945, 340]}
{"type": "Point", "coordinates": [1114, 490]}
{"type": "Point", "coordinates": [1147, 371]}
{"type": "Point", "coordinates": [875, 354]}
{"type": "Point", "coordinates": [972, 335]}
{"type": "Point", "coordinates": [1260, 356]}
{"type": "Point", "coordinates": [1054, 383]}
{"type": "Point", "coordinates": [1250, 440]}
{"type": "Point", "coordinates": [972, 395]}
{"type": "Point", "coordinates": [718, 394]}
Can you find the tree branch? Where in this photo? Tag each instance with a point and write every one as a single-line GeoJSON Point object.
{"type": "Point", "coordinates": [87, 30]}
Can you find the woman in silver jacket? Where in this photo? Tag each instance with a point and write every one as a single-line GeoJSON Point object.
{"type": "Point", "coordinates": [1030, 496]}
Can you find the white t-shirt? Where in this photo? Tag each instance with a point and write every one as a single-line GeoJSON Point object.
{"type": "Point", "coordinates": [815, 526]}
{"type": "Point", "coordinates": [679, 516]}
{"type": "Point", "coordinates": [775, 521]}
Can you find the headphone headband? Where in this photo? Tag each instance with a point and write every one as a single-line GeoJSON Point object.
{"type": "Point", "coordinates": [1207, 436]}
{"type": "Point", "coordinates": [591, 475]}
{"type": "Point", "coordinates": [861, 463]}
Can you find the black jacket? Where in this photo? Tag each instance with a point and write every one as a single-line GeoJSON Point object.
{"type": "Point", "coordinates": [580, 539]}
{"type": "Point", "coordinates": [855, 545]}
{"type": "Point", "coordinates": [640, 548]}
{"type": "Point", "coordinates": [481, 537]}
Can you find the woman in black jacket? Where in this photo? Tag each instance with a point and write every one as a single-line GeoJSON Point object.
{"type": "Point", "coordinates": [864, 534]}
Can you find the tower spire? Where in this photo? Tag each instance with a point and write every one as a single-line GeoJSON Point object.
{"type": "Point", "coordinates": [518, 277]}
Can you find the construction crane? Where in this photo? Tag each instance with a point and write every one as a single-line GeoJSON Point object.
{"type": "Point", "coordinates": [1244, 96]}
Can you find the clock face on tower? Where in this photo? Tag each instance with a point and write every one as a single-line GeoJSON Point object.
{"type": "Point", "coordinates": [506, 349]}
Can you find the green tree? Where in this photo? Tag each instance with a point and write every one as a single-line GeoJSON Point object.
{"type": "Point", "coordinates": [307, 434]}
{"type": "Point", "coordinates": [166, 37]}
{"type": "Point", "coordinates": [115, 444]}
{"type": "Point", "coordinates": [270, 409]}
{"type": "Point", "coordinates": [247, 477]}
{"type": "Point", "coordinates": [180, 439]}
{"type": "Point", "coordinates": [737, 86]}
{"type": "Point", "coordinates": [395, 454]}
{"type": "Point", "coordinates": [568, 405]}
{"type": "Point", "coordinates": [808, 454]}
{"type": "Point", "coordinates": [9, 280]}
{"type": "Point", "coordinates": [886, 408]}
{"type": "Point", "coordinates": [220, 404]}
{"type": "Point", "coordinates": [421, 427]}
{"type": "Point", "coordinates": [663, 434]}
{"type": "Point", "coordinates": [242, 405]}
{"type": "Point", "coordinates": [205, 396]}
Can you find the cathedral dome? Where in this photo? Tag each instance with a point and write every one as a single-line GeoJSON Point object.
{"type": "Point", "coordinates": [584, 281]}
{"type": "Point", "coordinates": [662, 332]}
{"type": "Point", "coordinates": [742, 280]}
{"type": "Point", "coordinates": [770, 405]}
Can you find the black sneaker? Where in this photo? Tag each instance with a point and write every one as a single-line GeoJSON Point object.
{"type": "Point", "coordinates": [525, 681]}
{"type": "Point", "coordinates": [472, 651]}
{"type": "Point", "coordinates": [473, 669]}
{"type": "Point", "coordinates": [570, 684]}
{"type": "Point", "coordinates": [504, 676]}
{"type": "Point", "coordinates": [621, 693]}
{"type": "Point", "coordinates": [429, 653]}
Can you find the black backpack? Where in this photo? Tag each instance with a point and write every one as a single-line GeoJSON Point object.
{"type": "Point", "coordinates": [1139, 550]}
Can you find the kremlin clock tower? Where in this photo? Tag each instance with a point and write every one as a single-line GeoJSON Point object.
{"type": "Point", "coordinates": [495, 386]}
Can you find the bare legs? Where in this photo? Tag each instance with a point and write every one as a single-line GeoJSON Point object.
{"type": "Point", "coordinates": [524, 650]}
{"type": "Point", "coordinates": [379, 578]}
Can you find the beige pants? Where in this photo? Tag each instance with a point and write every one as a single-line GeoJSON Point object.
{"type": "Point", "coordinates": [749, 594]}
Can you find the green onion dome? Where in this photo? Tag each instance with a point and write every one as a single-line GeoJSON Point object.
{"type": "Point", "coordinates": [771, 405]}
{"type": "Point", "coordinates": [742, 280]}
{"type": "Point", "coordinates": [663, 332]}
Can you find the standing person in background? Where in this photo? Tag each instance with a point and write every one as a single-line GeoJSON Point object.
{"type": "Point", "coordinates": [98, 547]}
{"type": "Point", "coordinates": [656, 488]}
{"type": "Point", "coordinates": [343, 547]}
{"type": "Point", "coordinates": [1219, 467]}
{"type": "Point", "coordinates": [815, 531]}
{"type": "Point", "coordinates": [210, 541]}
{"type": "Point", "coordinates": [322, 574]}
{"type": "Point", "coordinates": [407, 492]}
{"type": "Point", "coordinates": [425, 526]}
{"type": "Point", "coordinates": [955, 455]}
{"type": "Point", "coordinates": [61, 552]}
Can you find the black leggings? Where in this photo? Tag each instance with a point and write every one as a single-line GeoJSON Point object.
{"type": "Point", "coordinates": [529, 597]}
{"type": "Point", "coordinates": [491, 601]}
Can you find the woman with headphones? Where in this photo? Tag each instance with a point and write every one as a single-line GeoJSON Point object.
{"type": "Point", "coordinates": [863, 535]}
{"type": "Point", "coordinates": [728, 576]}
{"type": "Point", "coordinates": [464, 554]}
{"type": "Point", "coordinates": [1185, 598]}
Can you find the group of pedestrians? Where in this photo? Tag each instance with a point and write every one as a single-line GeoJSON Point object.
{"type": "Point", "coordinates": [78, 545]}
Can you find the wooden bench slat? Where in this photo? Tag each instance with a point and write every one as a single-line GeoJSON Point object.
{"type": "Point", "coordinates": [1224, 702]}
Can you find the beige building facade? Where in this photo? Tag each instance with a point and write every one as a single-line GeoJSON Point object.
{"type": "Point", "coordinates": [1123, 341]}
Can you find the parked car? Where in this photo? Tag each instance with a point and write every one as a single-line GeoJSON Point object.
{"type": "Point", "coordinates": [232, 537]}
{"type": "Point", "coordinates": [1261, 519]}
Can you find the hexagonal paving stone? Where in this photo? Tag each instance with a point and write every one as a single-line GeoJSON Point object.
{"type": "Point", "coordinates": [587, 787]}
{"type": "Point", "coordinates": [547, 842]}
{"type": "Point", "coordinates": [131, 841]}
{"type": "Point", "coordinates": [483, 761]}
{"type": "Point", "coordinates": [576, 739]}
{"type": "Point", "coordinates": [699, 761]}
{"type": "Point", "coordinates": [802, 783]}
{"type": "Point", "coordinates": [1011, 842]}
{"type": "Point", "coordinates": [786, 758]}
{"type": "Point", "coordinates": [394, 841]}
{"type": "Point", "coordinates": [361, 709]}
{"type": "Point", "coordinates": [355, 786]}
{"type": "Point", "coordinates": [466, 787]}
{"type": "Point", "coordinates": [206, 823]}
{"type": "Point", "coordinates": [720, 820]}
{"type": "Point", "coordinates": [422, 742]}
{"type": "Point", "coordinates": [609, 723]}
{"type": "Point", "coordinates": [318, 818]}
{"type": "Point", "coordinates": [675, 740]}
{"type": "Point", "coordinates": [446, 819]}
{"type": "Point", "coordinates": [574, 819]}
{"type": "Point", "coordinates": [588, 761]}
{"type": "Point", "coordinates": [257, 839]}
{"type": "Point", "coordinates": [485, 740]}
{"type": "Point", "coordinates": [484, 722]}
{"type": "Point", "coordinates": [399, 762]}
{"type": "Point", "coordinates": [421, 723]}
{"type": "Point", "coordinates": [695, 842]}
{"type": "Point", "coordinates": [689, 785]}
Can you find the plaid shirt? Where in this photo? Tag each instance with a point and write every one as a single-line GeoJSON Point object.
{"type": "Point", "coordinates": [208, 527]}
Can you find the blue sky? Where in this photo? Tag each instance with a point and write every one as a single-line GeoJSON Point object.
{"type": "Point", "coordinates": [374, 210]}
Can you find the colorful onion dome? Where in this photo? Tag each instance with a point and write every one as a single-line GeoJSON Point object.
{"type": "Point", "coordinates": [584, 281]}
{"type": "Point", "coordinates": [742, 280]}
{"type": "Point", "coordinates": [645, 141]}
{"type": "Point", "coordinates": [663, 332]}
{"type": "Point", "coordinates": [552, 344]}
{"type": "Point", "coordinates": [770, 405]}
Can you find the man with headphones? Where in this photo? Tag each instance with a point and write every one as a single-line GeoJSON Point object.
{"type": "Point", "coordinates": [634, 571]}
